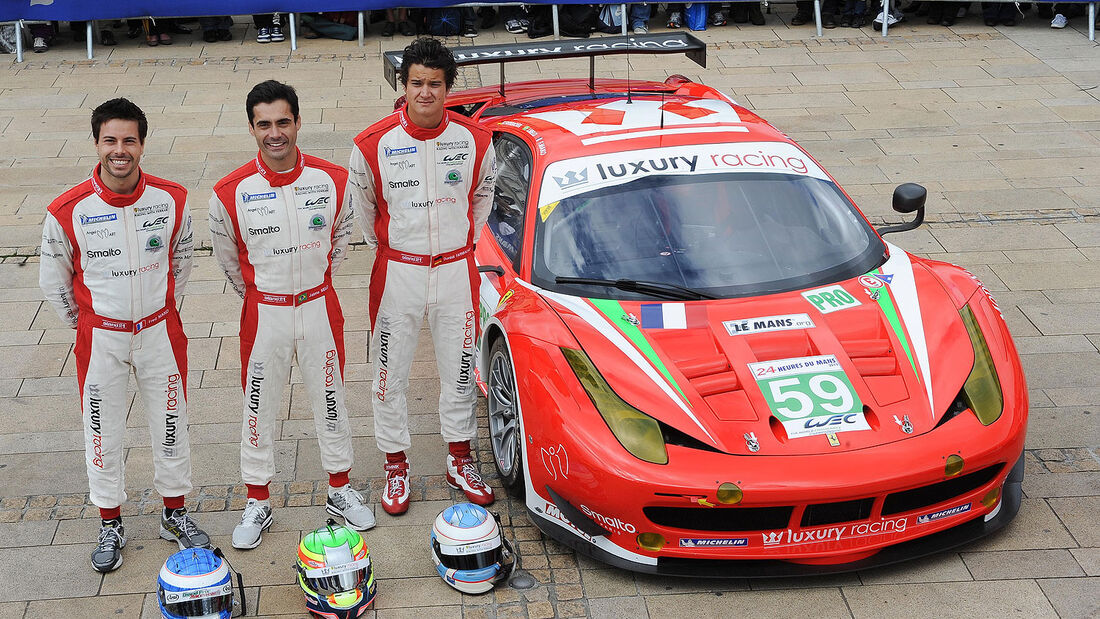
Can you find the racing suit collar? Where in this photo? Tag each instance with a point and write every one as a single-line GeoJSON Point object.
{"type": "Point", "coordinates": [279, 179]}
{"type": "Point", "coordinates": [420, 133]}
{"type": "Point", "coordinates": [117, 199]}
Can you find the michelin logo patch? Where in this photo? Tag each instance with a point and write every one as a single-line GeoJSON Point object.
{"type": "Point", "coordinates": [394, 152]}
{"type": "Point", "coordinates": [943, 513]}
{"type": "Point", "coordinates": [95, 219]}
{"type": "Point", "coordinates": [250, 197]}
{"type": "Point", "coordinates": [722, 542]}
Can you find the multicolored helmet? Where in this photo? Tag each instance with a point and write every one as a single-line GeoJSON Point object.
{"type": "Point", "coordinates": [334, 572]}
{"type": "Point", "coordinates": [195, 582]}
{"type": "Point", "coordinates": [469, 550]}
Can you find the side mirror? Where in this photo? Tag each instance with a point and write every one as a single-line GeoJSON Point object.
{"type": "Point", "coordinates": [908, 198]}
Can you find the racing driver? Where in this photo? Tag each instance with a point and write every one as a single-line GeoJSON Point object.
{"type": "Point", "coordinates": [116, 254]}
{"type": "Point", "coordinates": [422, 181]}
{"type": "Point", "coordinates": [280, 226]}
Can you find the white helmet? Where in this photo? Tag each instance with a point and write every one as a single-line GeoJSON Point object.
{"type": "Point", "coordinates": [469, 550]}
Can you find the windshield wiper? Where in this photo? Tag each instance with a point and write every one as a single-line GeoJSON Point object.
{"type": "Point", "coordinates": [653, 289]}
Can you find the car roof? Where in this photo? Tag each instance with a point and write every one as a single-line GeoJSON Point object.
{"type": "Point", "coordinates": [562, 119]}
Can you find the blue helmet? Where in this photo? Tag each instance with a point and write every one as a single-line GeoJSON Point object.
{"type": "Point", "coordinates": [468, 548]}
{"type": "Point", "coordinates": [195, 582]}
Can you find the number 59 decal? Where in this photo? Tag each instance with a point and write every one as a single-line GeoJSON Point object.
{"type": "Point", "coordinates": [810, 395]}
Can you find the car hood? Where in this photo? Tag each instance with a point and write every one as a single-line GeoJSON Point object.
{"type": "Point", "coordinates": [849, 365]}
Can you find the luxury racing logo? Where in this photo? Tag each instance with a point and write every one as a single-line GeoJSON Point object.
{"type": "Point", "coordinates": [452, 144]}
{"type": "Point", "coordinates": [94, 423]}
{"type": "Point", "coordinates": [142, 211]}
{"type": "Point", "coordinates": [834, 534]}
{"type": "Point", "coordinates": [280, 251]}
{"type": "Point", "coordinates": [647, 166]}
{"type": "Point", "coordinates": [466, 363]}
{"type": "Point", "coordinates": [332, 415]}
{"type": "Point", "coordinates": [255, 382]}
{"type": "Point", "coordinates": [305, 190]}
{"type": "Point", "coordinates": [171, 401]}
{"type": "Point", "coordinates": [383, 358]}
{"type": "Point", "coordinates": [132, 272]}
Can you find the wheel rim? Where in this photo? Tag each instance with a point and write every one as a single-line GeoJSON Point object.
{"type": "Point", "coordinates": [503, 420]}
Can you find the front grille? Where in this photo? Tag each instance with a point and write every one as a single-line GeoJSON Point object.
{"type": "Point", "coordinates": [721, 518]}
{"type": "Point", "coordinates": [832, 513]}
{"type": "Point", "coordinates": [939, 492]}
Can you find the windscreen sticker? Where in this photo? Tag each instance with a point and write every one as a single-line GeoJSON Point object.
{"type": "Point", "coordinates": [830, 299]}
{"type": "Point", "coordinates": [546, 209]}
{"type": "Point", "coordinates": [575, 176]}
{"type": "Point", "coordinates": [810, 395]}
{"type": "Point", "coordinates": [764, 324]}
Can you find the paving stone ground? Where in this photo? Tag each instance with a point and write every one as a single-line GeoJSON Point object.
{"type": "Point", "coordinates": [1001, 125]}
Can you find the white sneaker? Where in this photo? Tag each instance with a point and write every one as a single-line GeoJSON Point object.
{"type": "Point", "coordinates": [641, 29]}
{"type": "Point", "coordinates": [347, 503]}
{"type": "Point", "coordinates": [1058, 22]}
{"type": "Point", "coordinates": [263, 35]}
{"type": "Point", "coordinates": [255, 520]}
{"type": "Point", "coordinates": [277, 35]}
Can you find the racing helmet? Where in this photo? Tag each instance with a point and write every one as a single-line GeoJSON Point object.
{"type": "Point", "coordinates": [469, 550]}
{"type": "Point", "coordinates": [334, 572]}
{"type": "Point", "coordinates": [195, 582]}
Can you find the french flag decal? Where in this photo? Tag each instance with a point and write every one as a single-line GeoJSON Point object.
{"type": "Point", "coordinates": [672, 315]}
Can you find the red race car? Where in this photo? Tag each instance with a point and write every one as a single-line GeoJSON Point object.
{"type": "Point", "coordinates": [699, 356]}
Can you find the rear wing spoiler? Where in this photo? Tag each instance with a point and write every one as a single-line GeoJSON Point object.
{"type": "Point", "coordinates": [670, 43]}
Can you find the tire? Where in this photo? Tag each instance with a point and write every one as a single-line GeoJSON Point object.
{"type": "Point", "coordinates": [505, 434]}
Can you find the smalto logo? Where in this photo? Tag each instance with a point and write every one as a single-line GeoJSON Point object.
{"type": "Point", "coordinates": [405, 184]}
{"type": "Point", "coordinates": [103, 253]}
{"type": "Point", "coordinates": [607, 522]}
{"type": "Point", "coordinates": [264, 230]}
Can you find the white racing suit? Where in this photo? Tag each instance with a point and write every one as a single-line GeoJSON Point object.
{"type": "Point", "coordinates": [279, 237]}
{"type": "Point", "coordinates": [423, 196]}
{"type": "Point", "coordinates": [114, 267]}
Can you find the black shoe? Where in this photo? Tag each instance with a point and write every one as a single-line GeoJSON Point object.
{"type": "Point", "coordinates": [469, 31]}
{"type": "Point", "coordinates": [133, 32]}
{"type": "Point", "coordinates": [828, 21]}
{"type": "Point", "coordinates": [209, 35]}
{"type": "Point", "coordinates": [406, 29]}
{"type": "Point", "coordinates": [947, 21]}
{"type": "Point", "coordinates": [176, 28]}
{"type": "Point", "coordinates": [859, 21]}
{"type": "Point", "coordinates": [801, 18]}
{"type": "Point", "coordinates": [106, 37]}
{"type": "Point", "coordinates": [388, 29]}
{"type": "Point", "coordinates": [756, 16]}
{"type": "Point", "coordinates": [488, 17]}
{"type": "Point", "coordinates": [224, 34]}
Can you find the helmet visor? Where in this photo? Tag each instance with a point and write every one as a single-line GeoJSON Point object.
{"type": "Point", "coordinates": [473, 556]}
{"type": "Point", "coordinates": [198, 602]}
{"type": "Point", "coordinates": [337, 578]}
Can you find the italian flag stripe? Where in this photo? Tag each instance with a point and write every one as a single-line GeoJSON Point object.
{"type": "Point", "coordinates": [886, 302]}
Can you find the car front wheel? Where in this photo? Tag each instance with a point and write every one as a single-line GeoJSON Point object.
{"type": "Point", "coordinates": [504, 425]}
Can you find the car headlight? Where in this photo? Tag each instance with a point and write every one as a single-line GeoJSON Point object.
{"type": "Point", "coordinates": [638, 433]}
{"type": "Point", "coordinates": [982, 390]}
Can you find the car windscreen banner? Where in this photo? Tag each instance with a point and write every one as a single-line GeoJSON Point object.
{"type": "Point", "coordinates": [572, 177]}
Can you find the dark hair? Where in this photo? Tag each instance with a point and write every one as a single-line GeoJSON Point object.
{"type": "Point", "coordinates": [431, 53]}
{"type": "Point", "coordinates": [270, 92]}
{"type": "Point", "coordinates": [119, 109]}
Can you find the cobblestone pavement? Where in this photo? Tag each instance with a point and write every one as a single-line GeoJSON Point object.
{"type": "Point", "coordinates": [1001, 125]}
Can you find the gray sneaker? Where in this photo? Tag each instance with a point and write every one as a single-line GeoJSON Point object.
{"type": "Point", "coordinates": [107, 555]}
{"type": "Point", "coordinates": [347, 503]}
{"type": "Point", "coordinates": [255, 520]}
{"type": "Point", "coordinates": [177, 526]}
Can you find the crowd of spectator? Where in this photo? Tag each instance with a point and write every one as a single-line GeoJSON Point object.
{"type": "Point", "coordinates": [535, 20]}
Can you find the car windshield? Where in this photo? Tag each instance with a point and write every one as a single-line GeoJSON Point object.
{"type": "Point", "coordinates": [692, 221]}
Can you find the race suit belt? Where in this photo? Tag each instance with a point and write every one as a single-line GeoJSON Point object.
{"type": "Point", "coordinates": [295, 300]}
{"type": "Point", "coordinates": [127, 326]}
{"type": "Point", "coordinates": [425, 259]}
